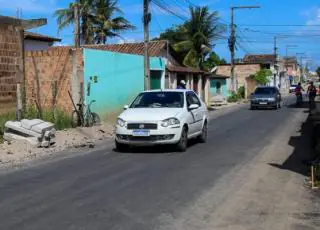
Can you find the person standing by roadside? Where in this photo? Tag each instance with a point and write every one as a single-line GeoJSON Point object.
{"type": "Point", "coordinates": [312, 93]}
{"type": "Point", "coordinates": [182, 85]}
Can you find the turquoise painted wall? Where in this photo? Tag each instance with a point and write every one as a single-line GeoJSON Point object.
{"type": "Point", "coordinates": [224, 87]}
{"type": "Point", "coordinates": [120, 77]}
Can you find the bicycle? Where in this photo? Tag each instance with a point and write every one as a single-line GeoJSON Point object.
{"type": "Point", "coordinates": [89, 119]}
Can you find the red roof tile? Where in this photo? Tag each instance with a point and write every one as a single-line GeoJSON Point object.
{"type": "Point", "coordinates": [260, 58]}
{"type": "Point", "coordinates": [155, 48]}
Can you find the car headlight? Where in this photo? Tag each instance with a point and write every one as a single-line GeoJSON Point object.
{"type": "Point", "coordinates": [271, 99]}
{"type": "Point", "coordinates": [170, 122]}
{"type": "Point", "coordinates": [121, 122]}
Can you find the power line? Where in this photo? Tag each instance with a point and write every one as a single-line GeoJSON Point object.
{"type": "Point", "coordinates": [279, 25]}
{"type": "Point", "coordinates": [162, 5]}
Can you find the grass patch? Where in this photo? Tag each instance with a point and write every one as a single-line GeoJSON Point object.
{"type": "Point", "coordinates": [61, 120]}
{"type": "Point", "coordinates": [3, 119]}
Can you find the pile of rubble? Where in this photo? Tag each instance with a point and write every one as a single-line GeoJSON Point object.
{"type": "Point", "coordinates": [31, 139]}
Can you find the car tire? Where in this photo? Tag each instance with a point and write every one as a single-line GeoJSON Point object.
{"type": "Point", "coordinates": [183, 142]}
{"type": "Point", "coordinates": [122, 148]}
{"type": "Point", "coordinates": [252, 107]}
{"type": "Point", "coordinates": [204, 133]}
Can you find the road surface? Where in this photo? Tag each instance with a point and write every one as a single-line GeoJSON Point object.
{"type": "Point", "coordinates": [232, 182]}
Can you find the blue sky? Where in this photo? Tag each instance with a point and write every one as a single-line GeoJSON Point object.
{"type": "Point", "coordinates": [252, 38]}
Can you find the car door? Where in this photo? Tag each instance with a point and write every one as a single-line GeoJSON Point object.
{"type": "Point", "coordinates": [194, 116]}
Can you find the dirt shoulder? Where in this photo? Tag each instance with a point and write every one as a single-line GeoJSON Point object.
{"type": "Point", "coordinates": [269, 192]}
{"type": "Point", "coordinates": [15, 153]}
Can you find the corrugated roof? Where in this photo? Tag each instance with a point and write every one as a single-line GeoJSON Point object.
{"type": "Point", "coordinates": [259, 58]}
{"type": "Point", "coordinates": [40, 37]}
{"type": "Point", "coordinates": [155, 48]}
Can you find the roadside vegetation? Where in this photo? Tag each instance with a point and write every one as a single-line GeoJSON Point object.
{"type": "Point", "coordinates": [262, 76]}
{"type": "Point", "coordinates": [237, 96]}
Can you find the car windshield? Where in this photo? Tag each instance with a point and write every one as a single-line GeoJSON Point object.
{"type": "Point", "coordinates": [159, 100]}
{"type": "Point", "coordinates": [265, 91]}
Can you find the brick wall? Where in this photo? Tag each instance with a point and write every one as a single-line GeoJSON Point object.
{"type": "Point", "coordinates": [10, 56]}
{"type": "Point", "coordinates": [49, 73]}
{"type": "Point", "coordinates": [241, 71]}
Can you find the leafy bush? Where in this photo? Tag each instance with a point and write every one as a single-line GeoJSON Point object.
{"type": "Point", "coordinates": [233, 98]}
{"type": "Point", "coordinates": [241, 92]}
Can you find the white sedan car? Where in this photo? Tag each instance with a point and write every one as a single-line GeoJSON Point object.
{"type": "Point", "coordinates": [162, 117]}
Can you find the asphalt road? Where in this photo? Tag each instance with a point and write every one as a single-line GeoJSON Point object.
{"type": "Point", "coordinates": [141, 190]}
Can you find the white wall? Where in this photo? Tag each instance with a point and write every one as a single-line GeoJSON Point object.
{"type": "Point", "coordinates": [32, 45]}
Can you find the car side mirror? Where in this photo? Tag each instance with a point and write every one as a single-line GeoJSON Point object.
{"type": "Point", "coordinates": [193, 106]}
{"type": "Point", "coordinates": [126, 107]}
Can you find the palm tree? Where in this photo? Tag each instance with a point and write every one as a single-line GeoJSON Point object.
{"type": "Point", "coordinates": [105, 24]}
{"type": "Point", "coordinates": [96, 20]}
{"type": "Point", "coordinates": [198, 35]}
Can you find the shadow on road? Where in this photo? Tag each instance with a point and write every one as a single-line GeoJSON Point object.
{"type": "Point", "coordinates": [303, 152]}
{"type": "Point", "coordinates": [159, 149]}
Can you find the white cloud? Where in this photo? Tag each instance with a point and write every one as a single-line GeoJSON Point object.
{"type": "Point", "coordinates": [126, 40]}
{"type": "Point", "coordinates": [312, 15]}
{"type": "Point", "coordinates": [36, 6]}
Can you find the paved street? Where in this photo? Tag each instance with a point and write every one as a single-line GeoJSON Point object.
{"type": "Point", "coordinates": [248, 176]}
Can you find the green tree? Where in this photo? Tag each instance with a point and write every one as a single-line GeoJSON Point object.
{"type": "Point", "coordinates": [212, 61]}
{"type": "Point", "coordinates": [105, 25]}
{"type": "Point", "coordinates": [196, 36]}
{"type": "Point", "coordinates": [262, 76]}
{"type": "Point", "coordinates": [97, 20]}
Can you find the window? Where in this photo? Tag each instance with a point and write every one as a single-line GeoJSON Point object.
{"type": "Point", "coordinates": [266, 90]}
{"type": "Point", "coordinates": [192, 99]}
{"type": "Point", "coordinates": [159, 100]}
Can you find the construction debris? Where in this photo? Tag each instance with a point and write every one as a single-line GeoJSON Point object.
{"type": "Point", "coordinates": [37, 132]}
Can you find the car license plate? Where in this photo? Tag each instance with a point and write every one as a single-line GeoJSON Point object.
{"type": "Point", "coordinates": [141, 133]}
{"type": "Point", "coordinates": [263, 103]}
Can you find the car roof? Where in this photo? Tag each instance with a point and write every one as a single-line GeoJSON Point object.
{"type": "Point", "coordinates": [169, 90]}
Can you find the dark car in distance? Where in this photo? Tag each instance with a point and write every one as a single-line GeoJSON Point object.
{"type": "Point", "coordinates": [266, 97]}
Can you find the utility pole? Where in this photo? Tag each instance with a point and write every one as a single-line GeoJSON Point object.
{"type": "Point", "coordinates": [76, 25]}
{"type": "Point", "coordinates": [301, 66]}
{"type": "Point", "coordinates": [232, 42]}
{"type": "Point", "coordinates": [276, 63]}
{"type": "Point", "coordinates": [146, 21]}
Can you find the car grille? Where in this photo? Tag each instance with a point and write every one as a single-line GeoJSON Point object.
{"type": "Point", "coordinates": [149, 126]}
{"type": "Point", "coordinates": [149, 138]}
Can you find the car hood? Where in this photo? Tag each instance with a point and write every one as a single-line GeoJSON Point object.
{"type": "Point", "coordinates": [149, 114]}
{"type": "Point", "coordinates": [258, 96]}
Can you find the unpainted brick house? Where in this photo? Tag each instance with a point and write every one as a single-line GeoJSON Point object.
{"type": "Point", "coordinates": [11, 61]}
{"type": "Point", "coordinates": [243, 73]}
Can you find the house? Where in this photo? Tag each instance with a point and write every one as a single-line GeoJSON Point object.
{"type": "Point", "coordinates": [243, 74]}
{"type": "Point", "coordinates": [267, 61]}
{"type": "Point", "coordinates": [110, 75]}
{"type": "Point", "coordinates": [34, 41]}
{"type": "Point", "coordinates": [219, 88]}
{"type": "Point", "coordinates": [291, 69]}
{"type": "Point", "coordinates": [11, 60]}
{"type": "Point", "coordinates": [125, 68]}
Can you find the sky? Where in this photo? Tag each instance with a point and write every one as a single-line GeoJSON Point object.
{"type": "Point", "coordinates": [296, 23]}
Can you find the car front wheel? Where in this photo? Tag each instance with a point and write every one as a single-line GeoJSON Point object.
{"type": "Point", "coordinates": [121, 147]}
{"type": "Point", "coordinates": [204, 133]}
{"type": "Point", "coordinates": [183, 142]}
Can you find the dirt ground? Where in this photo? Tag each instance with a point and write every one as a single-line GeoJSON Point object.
{"type": "Point", "coordinates": [16, 152]}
